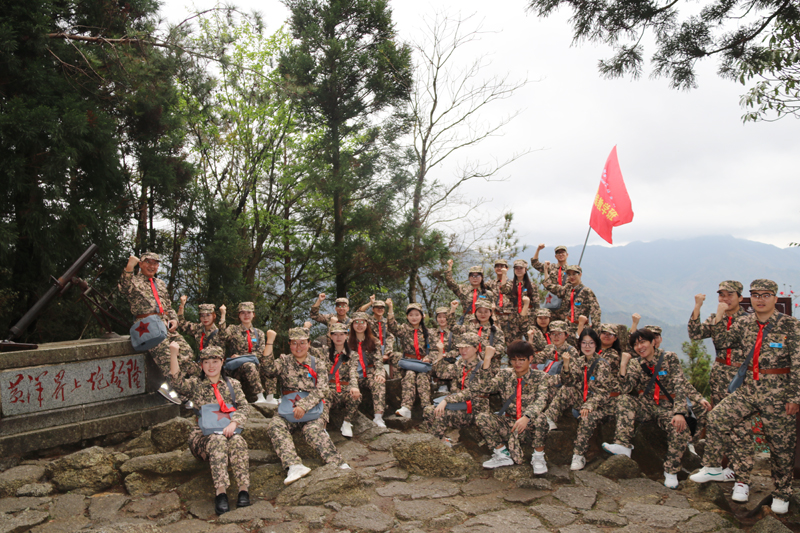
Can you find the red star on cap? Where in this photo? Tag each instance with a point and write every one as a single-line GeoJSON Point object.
{"type": "Point", "coordinates": [144, 327]}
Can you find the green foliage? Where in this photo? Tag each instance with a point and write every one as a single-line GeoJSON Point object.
{"type": "Point", "coordinates": [753, 40]}
{"type": "Point", "coordinates": [698, 367]}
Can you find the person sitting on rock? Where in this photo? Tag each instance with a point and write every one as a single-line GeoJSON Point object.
{"type": "Point", "coordinates": [525, 391]}
{"type": "Point", "coordinates": [468, 293]}
{"type": "Point", "coordinates": [378, 324]}
{"type": "Point", "coordinates": [552, 354]}
{"type": "Point", "coordinates": [299, 372]}
{"type": "Point", "coordinates": [482, 323]}
{"type": "Point", "coordinates": [588, 385]}
{"type": "Point", "coordinates": [414, 342]}
{"type": "Point", "coordinates": [459, 409]}
{"type": "Point", "coordinates": [663, 393]}
{"type": "Point", "coordinates": [206, 332]}
{"type": "Point", "coordinates": [343, 392]}
{"type": "Point", "coordinates": [368, 362]}
{"type": "Point", "coordinates": [226, 448]}
{"type": "Point", "coordinates": [539, 330]}
{"type": "Point", "coordinates": [242, 340]}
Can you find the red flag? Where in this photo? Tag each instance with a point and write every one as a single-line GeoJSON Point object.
{"type": "Point", "coordinates": [612, 205]}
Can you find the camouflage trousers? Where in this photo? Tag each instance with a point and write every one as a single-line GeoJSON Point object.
{"type": "Point", "coordinates": [414, 383]}
{"type": "Point", "coordinates": [767, 399]}
{"type": "Point", "coordinates": [221, 452]}
{"type": "Point", "coordinates": [586, 426]}
{"type": "Point", "coordinates": [632, 409]}
{"type": "Point", "coordinates": [160, 355]}
{"type": "Point", "coordinates": [249, 377]}
{"type": "Point", "coordinates": [738, 444]}
{"type": "Point", "coordinates": [439, 425]}
{"type": "Point", "coordinates": [496, 429]}
{"type": "Point", "coordinates": [378, 390]}
{"type": "Point", "coordinates": [341, 400]}
{"type": "Point", "coordinates": [564, 398]}
{"type": "Point", "coordinates": [280, 433]}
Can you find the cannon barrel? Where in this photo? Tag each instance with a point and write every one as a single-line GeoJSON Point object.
{"type": "Point", "coordinates": [58, 286]}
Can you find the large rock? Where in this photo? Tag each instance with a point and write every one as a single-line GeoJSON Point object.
{"type": "Point", "coordinates": [556, 515]}
{"type": "Point", "coordinates": [36, 490]}
{"type": "Point", "coordinates": [508, 521]}
{"type": "Point", "coordinates": [15, 478]}
{"type": "Point", "coordinates": [267, 481]}
{"type": "Point", "coordinates": [769, 524]}
{"type": "Point", "coordinates": [424, 454]}
{"type": "Point", "coordinates": [158, 505]}
{"type": "Point", "coordinates": [15, 505]}
{"type": "Point", "coordinates": [258, 511]}
{"type": "Point", "coordinates": [364, 518]}
{"type": "Point", "coordinates": [704, 522]}
{"type": "Point", "coordinates": [22, 522]}
{"type": "Point", "coordinates": [619, 467]}
{"type": "Point", "coordinates": [656, 515]}
{"type": "Point", "coordinates": [143, 483]}
{"type": "Point", "coordinates": [577, 497]}
{"type": "Point", "coordinates": [175, 462]}
{"type": "Point", "coordinates": [171, 435]}
{"type": "Point", "coordinates": [422, 489]}
{"type": "Point", "coordinates": [92, 469]}
{"type": "Point", "coordinates": [68, 505]}
{"type": "Point", "coordinates": [325, 484]}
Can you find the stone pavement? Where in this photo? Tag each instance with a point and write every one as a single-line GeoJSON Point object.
{"type": "Point", "coordinates": [404, 482]}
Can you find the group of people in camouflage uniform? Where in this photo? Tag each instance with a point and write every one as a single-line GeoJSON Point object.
{"type": "Point", "coordinates": [544, 357]}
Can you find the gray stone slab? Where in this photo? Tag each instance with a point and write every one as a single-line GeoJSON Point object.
{"type": "Point", "coordinates": [601, 484]}
{"type": "Point", "coordinates": [770, 524]}
{"type": "Point", "coordinates": [602, 518]}
{"type": "Point", "coordinates": [419, 509]}
{"type": "Point", "coordinates": [14, 478]}
{"type": "Point", "coordinates": [447, 521]}
{"type": "Point", "coordinates": [577, 497]}
{"type": "Point", "coordinates": [43, 388]}
{"type": "Point", "coordinates": [524, 496]}
{"type": "Point", "coordinates": [314, 516]}
{"type": "Point", "coordinates": [154, 506]}
{"type": "Point", "coordinates": [189, 526]}
{"type": "Point", "coordinates": [704, 522]}
{"type": "Point", "coordinates": [261, 510]}
{"type": "Point", "coordinates": [14, 505]}
{"type": "Point", "coordinates": [68, 525]}
{"type": "Point", "coordinates": [363, 518]}
{"type": "Point", "coordinates": [656, 515]}
{"type": "Point", "coordinates": [537, 483]}
{"type": "Point", "coordinates": [285, 527]}
{"type": "Point", "coordinates": [393, 474]}
{"type": "Point", "coordinates": [22, 522]}
{"type": "Point", "coordinates": [507, 521]}
{"type": "Point", "coordinates": [423, 489]}
{"type": "Point", "coordinates": [106, 506]}
{"type": "Point", "coordinates": [67, 505]}
{"type": "Point", "coordinates": [476, 487]}
{"type": "Point", "coordinates": [35, 490]}
{"type": "Point", "coordinates": [475, 505]}
{"type": "Point", "coordinates": [582, 528]}
{"type": "Point", "coordinates": [555, 515]}
{"type": "Point", "coordinates": [68, 351]}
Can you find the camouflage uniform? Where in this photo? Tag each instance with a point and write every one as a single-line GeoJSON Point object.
{"type": "Point", "coordinates": [767, 396]}
{"type": "Point", "coordinates": [380, 331]}
{"type": "Point", "coordinates": [341, 379]}
{"type": "Point", "coordinates": [235, 336]}
{"type": "Point", "coordinates": [374, 363]}
{"type": "Point", "coordinates": [514, 324]}
{"type": "Point", "coordinates": [496, 338]}
{"type": "Point", "coordinates": [602, 384]}
{"type": "Point", "coordinates": [295, 377]}
{"type": "Point", "coordinates": [205, 338]}
{"type": "Point", "coordinates": [552, 352]}
{"type": "Point", "coordinates": [139, 293]}
{"type": "Point", "coordinates": [465, 293]}
{"type": "Point", "coordinates": [325, 318]}
{"type": "Point", "coordinates": [219, 450]}
{"type": "Point", "coordinates": [496, 429]}
{"type": "Point", "coordinates": [462, 376]}
{"type": "Point", "coordinates": [585, 302]}
{"type": "Point", "coordinates": [413, 383]}
{"type": "Point", "coordinates": [557, 276]}
{"type": "Point", "coordinates": [639, 408]}
{"type": "Point", "coordinates": [540, 338]}
{"type": "Point", "coordinates": [448, 338]}
{"type": "Point", "coordinates": [739, 446]}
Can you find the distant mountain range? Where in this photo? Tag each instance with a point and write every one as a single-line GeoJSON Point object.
{"type": "Point", "coordinates": [659, 279]}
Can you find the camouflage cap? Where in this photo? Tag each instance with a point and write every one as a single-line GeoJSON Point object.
{"type": "Point", "coordinates": [360, 316]}
{"type": "Point", "coordinates": [764, 285]}
{"type": "Point", "coordinates": [521, 263]}
{"type": "Point", "coordinates": [378, 303]}
{"type": "Point", "coordinates": [558, 325]}
{"type": "Point", "coordinates": [440, 310]}
{"type": "Point", "coordinates": [575, 268]}
{"type": "Point", "coordinates": [560, 247]}
{"type": "Point", "coordinates": [731, 286]}
{"type": "Point", "coordinates": [206, 308]}
{"type": "Point", "coordinates": [483, 303]}
{"type": "Point", "coordinates": [247, 306]}
{"type": "Point", "coordinates": [655, 329]}
{"type": "Point", "coordinates": [150, 255]}
{"type": "Point", "coordinates": [468, 339]}
{"type": "Point", "coordinates": [411, 307]}
{"type": "Point", "coordinates": [608, 328]}
{"type": "Point", "coordinates": [211, 352]}
{"type": "Point", "coordinates": [543, 312]}
{"type": "Point", "coordinates": [342, 300]}
{"type": "Point", "coordinates": [296, 334]}
{"type": "Point", "coordinates": [337, 327]}
{"type": "Point", "coordinates": [501, 262]}
{"type": "Point", "coordinates": [476, 270]}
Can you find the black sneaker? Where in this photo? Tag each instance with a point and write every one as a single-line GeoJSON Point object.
{"type": "Point", "coordinates": [221, 503]}
{"type": "Point", "coordinates": [243, 500]}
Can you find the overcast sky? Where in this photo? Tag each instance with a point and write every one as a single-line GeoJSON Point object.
{"type": "Point", "coordinates": [690, 165]}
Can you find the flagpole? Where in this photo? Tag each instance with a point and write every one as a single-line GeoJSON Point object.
{"type": "Point", "coordinates": [584, 245]}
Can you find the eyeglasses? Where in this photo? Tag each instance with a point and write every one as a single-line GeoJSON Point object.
{"type": "Point", "coordinates": [150, 262]}
{"type": "Point", "coordinates": [588, 344]}
{"type": "Point", "coordinates": [761, 296]}
{"type": "Point", "coordinates": [341, 305]}
{"type": "Point", "coordinates": [475, 275]}
{"type": "Point", "coordinates": [298, 343]}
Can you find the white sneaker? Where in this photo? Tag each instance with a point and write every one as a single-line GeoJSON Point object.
{"type": "Point", "coordinates": [347, 429]}
{"type": "Point", "coordinates": [780, 506]}
{"type": "Point", "coordinates": [670, 480]}
{"type": "Point", "coordinates": [405, 412]}
{"type": "Point", "coordinates": [443, 388]}
{"type": "Point", "coordinates": [692, 450]}
{"type": "Point", "coordinates": [741, 493]}
{"type": "Point", "coordinates": [708, 473]}
{"type": "Point", "coordinates": [344, 466]}
{"type": "Point", "coordinates": [499, 458]}
{"type": "Point", "coordinates": [729, 475]}
{"type": "Point", "coordinates": [189, 405]}
{"type": "Point", "coordinates": [166, 391]}
{"type": "Point", "coordinates": [260, 398]}
{"type": "Point", "coordinates": [617, 449]}
{"type": "Point", "coordinates": [539, 463]}
{"type": "Point", "coordinates": [378, 421]}
{"type": "Point", "coordinates": [271, 400]}
{"type": "Point", "coordinates": [295, 473]}
{"type": "Point", "coordinates": [550, 424]}
{"type": "Point", "coordinates": [578, 462]}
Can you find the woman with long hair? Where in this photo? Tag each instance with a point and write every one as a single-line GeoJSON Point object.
{"type": "Point", "coordinates": [343, 390]}
{"type": "Point", "coordinates": [414, 342]}
{"type": "Point", "coordinates": [516, 289]}
{"type": "Point", "coordinates": [490, 333]}
{"type": "Point", "coordinates": [368, 362]}
{"type": "Point", "coordinates": [469, 293]}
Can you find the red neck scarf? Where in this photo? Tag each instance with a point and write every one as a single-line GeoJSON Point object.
{"type": "Point", "coordinates": [572, 306]}
{"type": "Point", "coordinates": [202, 338]}
{"type": "Point", "coordinates": [380, 331]}
{"type": "Point", "coordinates": [361, 358]}
{"type": "Point", "coordinates": [310, 372]}
{"type": "Point", "coordinates": [474, 299]}
{"type": "Point", "coordinates": [656, 389]}
{"type": "Point", "coordinates": [728, 352]}
{"type": "Point", "coordinates": [519, 398]}
{"type": "Point", "coordinates": [249, 342]}
{"type": "Point", "coordinates": [519, 297]}
{"type": "Point", "coordinates": [155, 294]}
{"type": "Point", "coordinates": [336, 373]}
{"type": "Point", "coordinates": [585, 382]}
{"type": "Point", "coordinates": [757, 349]}
{"type": "Point", "coordinates": [222, 407]}
{"type": "Point", "coordinates": [416, 344]}
{"type": "Point", "coordinates": [560, 282]}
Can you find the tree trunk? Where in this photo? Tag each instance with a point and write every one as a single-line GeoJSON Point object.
{"type": "Point", "coordinates": [340, 264]}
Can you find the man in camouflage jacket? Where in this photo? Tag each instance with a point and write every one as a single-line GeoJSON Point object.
{"type": "Point", "coordinates": [576, 298]}
{"type": "Point", "coordinates": [243, 339]}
